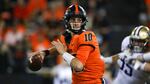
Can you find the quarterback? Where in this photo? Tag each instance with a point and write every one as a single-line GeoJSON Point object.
{"type": "Point", "coordinates": [79, 48]}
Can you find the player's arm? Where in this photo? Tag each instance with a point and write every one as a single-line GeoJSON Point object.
{"type": "Point", "coordinates": [142, 66]}
{"type": "Point", "coordinates": [144, 57]}
{"type": "Point", "coordinates": [77, 63]}
{"type": "Point", "coordinates": [35, 60]}
{"type": "Point", "coordinates": [147, 67]}
{"type": "Point", "coordinates": [111, 59]}
{"type": "Point", "coordinates": [74, 62]}
{"type": "Point", "coordinates": [42, 54]}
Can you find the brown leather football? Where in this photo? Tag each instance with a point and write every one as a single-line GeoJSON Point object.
{"type": "Point", "coordinates": [36, 63]}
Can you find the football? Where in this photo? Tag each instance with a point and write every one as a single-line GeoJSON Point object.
{"type": "Point", "coordinates": [36, 63]}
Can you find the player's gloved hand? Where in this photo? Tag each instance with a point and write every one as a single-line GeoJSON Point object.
{"type": "Point", "coordinates": [139, 65]}
{"type": "Point", "coordinates": [107, 60]}
{"type": "Point", "coordinates": [124, 54]}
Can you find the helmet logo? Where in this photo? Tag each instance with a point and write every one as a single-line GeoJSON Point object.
{"type": "Point", "coordinates": [143, 35]}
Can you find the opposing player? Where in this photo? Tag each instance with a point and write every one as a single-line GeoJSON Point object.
{"type": "Point", "coordinates": [132, 71]}
{"type": "Point", "coordinates": [79, 48]}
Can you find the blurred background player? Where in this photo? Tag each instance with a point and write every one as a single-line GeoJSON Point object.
{"type": "Point", "coordinates": [132, 71]}
{"type": "Point", "coordinates": [62, 73]}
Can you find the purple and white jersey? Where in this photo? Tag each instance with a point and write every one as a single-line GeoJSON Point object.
{"type": "Point", "coordinates": [126, 73]}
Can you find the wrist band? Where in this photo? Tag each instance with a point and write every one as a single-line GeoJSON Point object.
{"type": "Point", "coordinates": [46, 52]}
{"type": "Point", "coordinates": [67, 57]}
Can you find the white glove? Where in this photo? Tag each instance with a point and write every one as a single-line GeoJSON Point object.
{"type": "Point", "coordinates": [107, 60]}
{"type": "Point", "coordinates": [139, 65]}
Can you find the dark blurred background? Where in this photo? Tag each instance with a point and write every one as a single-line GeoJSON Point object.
{"type": "Point", "coordinates": [30, 25]}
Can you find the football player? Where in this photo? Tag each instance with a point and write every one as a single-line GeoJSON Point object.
{"type": "Point", "coordinates": [79, 48]}
{"type": "Point", "coordinates": [132, 71]}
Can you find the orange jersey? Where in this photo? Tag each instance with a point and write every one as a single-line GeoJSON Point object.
{"type": "Point", "coordinates": [86, 49]}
